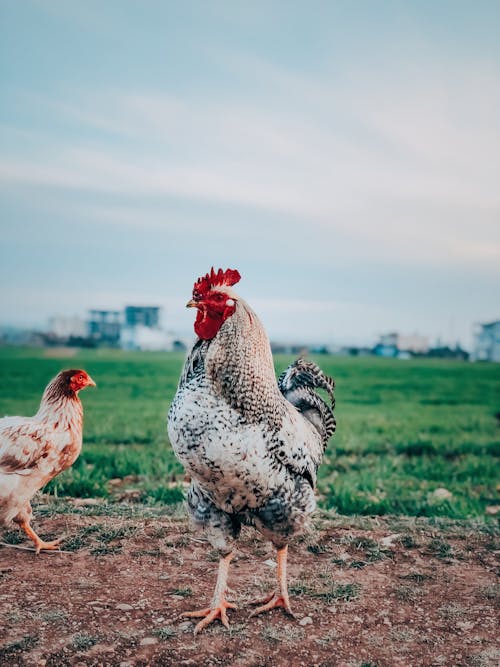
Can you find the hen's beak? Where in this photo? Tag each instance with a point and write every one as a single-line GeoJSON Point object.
{"type": "Point", "coordinates": [191, 304]}
{"type": "Point", "coordinates": [90, 382]}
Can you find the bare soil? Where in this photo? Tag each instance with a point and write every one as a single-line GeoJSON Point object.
{"type": "Point", "coordinates": [367, 592]}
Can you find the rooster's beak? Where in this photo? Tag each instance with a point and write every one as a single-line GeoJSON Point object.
{"type": "Point", "coordinates": [90, 382]}
{"type": "Point", "coordinates": [191, 304]}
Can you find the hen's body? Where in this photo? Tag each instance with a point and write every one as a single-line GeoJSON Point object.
{"type": "Point", "coordinates": [252, 454]}
{"type": "Point", "coordinates": [252, 445]}
{"type": "Point", "coordinates": [33, 450]}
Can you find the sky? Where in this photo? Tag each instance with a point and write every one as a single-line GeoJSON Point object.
{"type": "Point", "coordinates": [344, 156]}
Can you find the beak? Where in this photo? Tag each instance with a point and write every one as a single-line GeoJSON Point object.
{"type": "Point", "coordinates": [90, 382]}
{"type": "Point", "coordinates": [191, 304]}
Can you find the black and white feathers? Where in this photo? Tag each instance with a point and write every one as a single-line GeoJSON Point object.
{"type": "Point", "coordinates": [251, 444]}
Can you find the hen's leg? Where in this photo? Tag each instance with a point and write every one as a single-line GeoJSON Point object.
{"type": "Point", "coordinates": [277, 599]}
{"type": "Point", "coordinates": [40, 545]}
{"type": "Point", "coordinates": [219, 603]}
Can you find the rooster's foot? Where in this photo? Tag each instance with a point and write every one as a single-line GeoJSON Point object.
{"type": "Point", "coordinates": [211, 614]}
{"type": "Point", "coordinates": [271, 602]}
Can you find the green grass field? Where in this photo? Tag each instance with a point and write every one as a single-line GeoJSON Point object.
{"type": "Point", "coordinates": [404, 429]}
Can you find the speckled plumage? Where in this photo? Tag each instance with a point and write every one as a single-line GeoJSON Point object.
{"type": "Point", "coordinates": [251, 445]}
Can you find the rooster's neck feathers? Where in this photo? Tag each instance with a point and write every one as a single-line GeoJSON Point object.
{"type": "Point", "coordinates": [240, 367]}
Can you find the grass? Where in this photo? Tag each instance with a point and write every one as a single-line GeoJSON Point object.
{"type": "Point", "coordinates": [405, 429]}
{"type": "Point", "coordinates": [82, 641]}
{"type": "Point", "coordinates": [26, 643]}
{"type": "Point", "coordinates": [165, 633]}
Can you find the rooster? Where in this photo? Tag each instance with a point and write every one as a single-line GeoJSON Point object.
{"type": "Point", "coordinates": [33, 450]}
{"type": "Point", "coordinates": [251, 445]}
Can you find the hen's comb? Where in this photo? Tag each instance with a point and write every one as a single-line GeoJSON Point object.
{"type": "Point", "coordinates": [229, 277]}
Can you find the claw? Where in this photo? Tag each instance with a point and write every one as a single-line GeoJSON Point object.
{"type": "Point", "coordinates": [40, 545]}
{"type": "Point", "coordinates": [277, 599]}
{"type": "Point", "coordinates": [273, 601]}
{"type": "Point", "coordinates": [211, 614]}
{"type": "Point", "coordinates": [47, 546]}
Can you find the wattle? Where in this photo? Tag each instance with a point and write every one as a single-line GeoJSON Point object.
{"type": "Point", "coordinates": [207, 325]}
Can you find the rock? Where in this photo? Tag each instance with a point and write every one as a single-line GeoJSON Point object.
{"type": "Point", "coordinates": [185, 626]}
{"type": "Point", "coordinates": [123, 606]}
{"type": "Point", "coordinates": [86, 502]}
{"type": "Point", "coordinates": [441, 494]}
{"type": "Point", "coordinates": [389, 540]}
{"type": "Point", "coordinates": [148, 641]}
{"type": "Point", "coordinates": [270, 563]}
{"type": "Point", "coordinates": [307, 620]}
{"type": "Point", "coordinates": [492, 509]}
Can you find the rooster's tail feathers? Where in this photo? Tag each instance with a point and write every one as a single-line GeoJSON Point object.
{"type": "Point", "coordinates": [298, 384]}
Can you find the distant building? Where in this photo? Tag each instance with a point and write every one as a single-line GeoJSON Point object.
{"type": "Point", "coordinates": [147, 316]}
{"type": "Point", "coordinates": [142, 331]}
{"type": "Point", "coordinates": [397, 345]}
{"type": "Point", "coordinates": [65, 328]}
{"type": "Point", "coordinates": [104, 326]}
{"type": "Point", "coordinates": [140, 337]}
{"type": "Point", "coordinates": [487, 342]}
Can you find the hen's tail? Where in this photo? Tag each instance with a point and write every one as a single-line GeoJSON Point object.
{"type": "Point", "coordinates": [298, 384]}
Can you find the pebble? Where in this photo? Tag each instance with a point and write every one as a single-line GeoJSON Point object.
{"type": "Point", "coordinates": [148, 641]}
{"type": "Point", "coordinates": [389, 540]}
{"type": "Point", "coordinates": [185, 626]}
{"type": "Point", "coordinates": [307, 620]}
{"type": "Point", "coordinates": [123, 606]}
{"type": "Point", "coordinates": [442, 494]}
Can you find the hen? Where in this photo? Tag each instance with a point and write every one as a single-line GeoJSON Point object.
{"type": "Point", "coordinates": [33, 450]}
{"type": "Point", "coordinates": [252, 445]}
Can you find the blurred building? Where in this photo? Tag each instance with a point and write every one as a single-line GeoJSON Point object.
{"type": "Point", "coordinates": [397, 345]}
{"type": "Point", "coordinates": [140, 337]}
{"type": "Point", "coordinates": [141, 330]}
{"type": "Point", "coordinates": [147, 316]}
{"type": "Point", "coordinates": [487, 342]}
{"type": "Point", "coordinates": [104, 326]}
{"type": "Point", "coordinates": [67, 327]}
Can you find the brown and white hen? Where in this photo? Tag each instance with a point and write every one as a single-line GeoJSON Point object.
{"type": "Point", "coordinates": [33, 450]}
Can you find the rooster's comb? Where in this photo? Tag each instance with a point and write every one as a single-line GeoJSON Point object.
{"type": "Point", "coordinates": [229, 277]}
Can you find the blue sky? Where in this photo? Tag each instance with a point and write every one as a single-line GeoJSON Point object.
{"type": "Point", "coordinates": [343, 156]}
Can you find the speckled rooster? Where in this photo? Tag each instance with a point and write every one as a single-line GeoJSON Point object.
{"type": "Point", "coordinates": [251, 445]}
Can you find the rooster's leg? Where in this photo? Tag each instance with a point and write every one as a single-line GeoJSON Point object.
{"type": "Point", "coordinates": [219, 604]}
{"type": "Point", "coordinates": [40, 545]}
{"type": "Point", "coordinates": [277, 599]}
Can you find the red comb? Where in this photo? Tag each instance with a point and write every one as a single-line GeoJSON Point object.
{"type": "Point", "coordinates": [229, 277]}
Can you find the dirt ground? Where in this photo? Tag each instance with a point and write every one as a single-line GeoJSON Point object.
{"type": "Point", "coordinates": [366, 592]}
